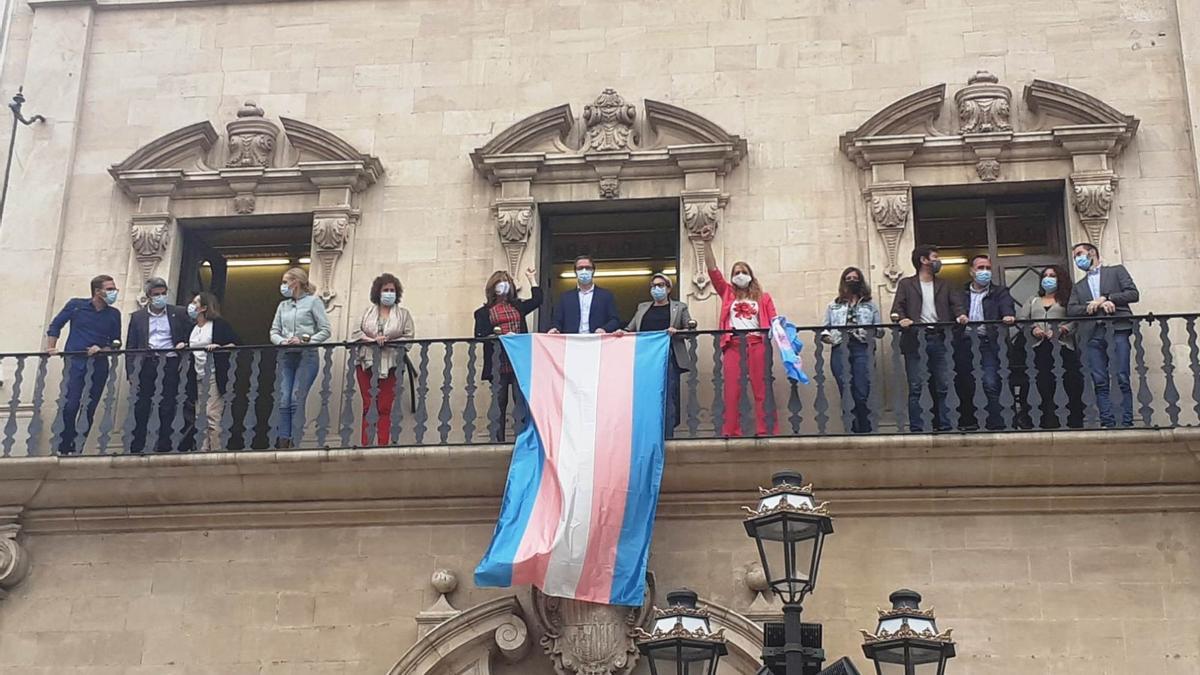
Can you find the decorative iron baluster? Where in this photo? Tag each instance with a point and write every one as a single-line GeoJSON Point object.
{"type": "Point", "coordinates": [346, 417]}
{"type": "Point", "coordinates": [447, 387]}
{"type": "Point", "coordinates": [1004, 372]}
{"type": "Point", "coordinates": [84, 426]}
{"type": "Point", "coordinates": [875, 401]}
{"type": "Point", "coordinates": [1091, 405]}
{"type": "Point", "coordinates": [1116, 395]}
{"type": "Point", "coordinates": [821, 404]}
{"type": "Point", "coordinates": [769, 409]}
{"type": "Point", "coordinates": [422, 415]}
{"type": "Point", "coordinates": [1031, 397]}
{"type": "Point", "coordinates": [950, 370]}
{"type": "Point", "coordinates": [925, 377]}
{"type": "Point", "coordinates": [1144, 397]}
{"type": "Point", "coordinates": [179, 436]}
{"type": "Point", "coordinates": [35, 421]}
{"type": "Point", "coordinates": [1170, 393]}
{"type": "Point", "coordinates": [326, 395]}
{"type": "Point", "coordinates": [224, 435]}
{"type": "Point", "coordinates": [135, 390]}
{"type": "Point", "coordinates": [1194, 364]}
{"type": "Point", "coordinates": [108, 418]}
{"type": "Point", "coordinates": [204, 379]}
{"type": "Point", "coordinates": [899, 382]}
{"type": "Point", "coordinates": [250, 423]}
{"type": "Point", "coordinates": [718, 407]}
{"type": "Point", "coordinates": [693, 387]}
{"type": "Point", "coordinates": [398, 403]}
{"type": "Point", "coordinates": [1058, 368]}
{"type": "Point", "coordinates": [469, 413]}
{"type": "Point", "coordinates": [157, 393]}
{"type": "Point", "coordinates": [14, 402]}
{"type": "Point", "coordinates": [795, 408]}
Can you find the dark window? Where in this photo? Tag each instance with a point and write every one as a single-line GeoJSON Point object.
{"type": "Point", "coordinates": [1021, 233]}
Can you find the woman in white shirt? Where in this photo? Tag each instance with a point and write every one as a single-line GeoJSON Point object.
{"type": "Point", "coordinates": [212, 374]}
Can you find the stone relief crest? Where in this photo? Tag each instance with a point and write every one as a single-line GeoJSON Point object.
{"type": "Point", "coordinates": [251, 138]}
{"type": "Point", "coordinates": [609, 121]}
{"type": "Point", "coordinates": [984, 105]}
{"type": "Point", "coordinates": [584, 638]}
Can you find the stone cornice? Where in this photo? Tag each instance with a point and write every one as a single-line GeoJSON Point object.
{"type": "Point", "coordinates": [874, 476]}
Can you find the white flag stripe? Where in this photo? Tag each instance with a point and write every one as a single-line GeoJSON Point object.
{"type": "Point", "coordinates": [577, 457]}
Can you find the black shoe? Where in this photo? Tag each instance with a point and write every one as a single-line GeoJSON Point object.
{"type": "Point", "coordinates": [283, 443]}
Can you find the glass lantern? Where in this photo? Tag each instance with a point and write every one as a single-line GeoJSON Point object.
{"type": "Point", "coordinates": [907, 640]}
{"type": "Point", "coordinates": [682, 641]}
{"type": "Point", "coordinates": [789, 526]}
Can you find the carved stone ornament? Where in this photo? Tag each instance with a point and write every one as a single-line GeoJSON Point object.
{"type": "Point", "coordinates": [701, 220]}
{"type": "Point", "coordinates": [14, 560]}
{"type": "Point", "coordinates": [251, 138]}
{"type": "Point", "coordinates": [513, 221]}
{"type": "Point", "coordinates": [984, 105]}
{"type": "Point", "coordinates": [1093, 200]}
{"type": "Point", "coordinates": [609, 121]}
{"type": "Point", "coordinates": [889, 210]}
{"type": "Point", "coordinates": [244, 204]}
{"type": "Point", "coordinates": [584, 638]}
{"type": "Point", "coordinates": [150, 235]}
{"type": "Point", "coordinates": [988, 169]}
{"type": "Point", "coordinates": [610, 187]}
{"type": "Point", "coordinates": [330, 234]}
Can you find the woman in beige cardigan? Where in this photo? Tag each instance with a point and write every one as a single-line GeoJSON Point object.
{"type": "Point", "coordinates": [384, 322]}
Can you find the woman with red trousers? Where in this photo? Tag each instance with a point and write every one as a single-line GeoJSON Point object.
{"type": "Point", "coordinates": [744, 306]}
{"type": "Point", "coordinates": [379, 361]}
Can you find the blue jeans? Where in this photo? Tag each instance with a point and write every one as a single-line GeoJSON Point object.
{"type": "Point", "coordinates": [964, 380]}
{"type": "Point", "coordinates": [933, 370]}
{"type": "Point", "coordinates": [856, 356]}
{"type": "Point", "coordinates": [297, 372]}
{"type": "Point", "coordinates": [1102, 370]}
{"type": "Point", "coordinates": [76, 375]}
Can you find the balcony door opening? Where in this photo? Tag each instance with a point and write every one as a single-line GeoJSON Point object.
{"type": "Point", "coordinates": [241, 261]}
{"type": "Point", "coordinates": [629, 240]}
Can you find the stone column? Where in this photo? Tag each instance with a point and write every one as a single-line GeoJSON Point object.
{"type": "Point", "coordinates": [32, 231]}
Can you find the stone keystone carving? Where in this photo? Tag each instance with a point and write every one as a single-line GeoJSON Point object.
{"type": "Point", "coordinates": [701, 220]}
{"type": "Point", "coordinates": [1093, 199]}
{"type": "Point", "coordinates": [251, 138]}
{"type": "Point", "coordinates": [513, 222]}
{"type": "Point", "coordinates": [984, 105]}
{"type": "Point", "coordinates": [889, 210]}
{"type": "Point", "coordinates": [584, 638]}
{"type": "Point", "coordinates": [609, 121]}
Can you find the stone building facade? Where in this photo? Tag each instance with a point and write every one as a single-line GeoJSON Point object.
{"type": "Point", "coordinates": [433, 138]}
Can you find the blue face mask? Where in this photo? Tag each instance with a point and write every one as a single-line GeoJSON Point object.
{"type": "Point", "coordinates": [193, 311]}
{"type": "Point", "coordinates": [984, 277]}
{"type": "Point", "coordinates": [584, 275]}
{"type": "Point", "coordinates": [1049, 284]}
{"type": "Point", "coordinates": [387, 298]}
{"type": "Point", "coordinates": [659, 293]}
{"type": "Point", "coordinates": [158, 301]}
{"type": "Point", "coordinates": [110, 297]}
{"type": "Point", "coordinates": [285, 290]}
{"type": "Point", "coordinates": [1083, 262]}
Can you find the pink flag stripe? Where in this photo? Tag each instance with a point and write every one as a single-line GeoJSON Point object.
{"type": "Point", "coordinates": [545, 406]}
{"type": "Point", "coordinates": [610, 476]}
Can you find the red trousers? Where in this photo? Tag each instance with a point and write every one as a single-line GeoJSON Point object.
{"type": "Point", "coordinates": [383, 404]}
{"type": "Point", "coordinates": [731, 361]}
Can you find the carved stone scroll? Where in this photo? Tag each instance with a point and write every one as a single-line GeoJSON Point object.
{"type": "Point", "coordinates": [890, 206]}
{"type": "Point", "coordinates": [150, 234]}
{"type": "Point", "coordinates": [1092, 196]}
{"type": "Point", "coordinates": [583, 638]}
{"type": "Point", "coordinates": [14, 560]}
{"type": "Point", "coordinates": [514, 219]}
{"type": "Point", "coordinates": [701, 220]}
{"type": "Point", "coordinates": [984, 105]}
{"type": "Point", "coordinates": [331, 231]}
{"type": "Point", "coordinates": [609, 121]}
{"type": "Point", "coordinates": [251, 138]}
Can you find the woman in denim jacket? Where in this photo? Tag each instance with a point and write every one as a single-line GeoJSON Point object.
{"type": "Point", "coordinates": [853, 348]}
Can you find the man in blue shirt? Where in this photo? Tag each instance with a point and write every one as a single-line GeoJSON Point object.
{"type": "Point", "coordinates": [95, 327]}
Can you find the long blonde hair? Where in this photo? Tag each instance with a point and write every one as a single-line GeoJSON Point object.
{"type": "Point", "coordinates": [301, 277]}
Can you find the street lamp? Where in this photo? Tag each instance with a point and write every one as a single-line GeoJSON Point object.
{"type": "Point", "coordinates": [907, 641]}
{"type": "Point", "coordinates": [789, 526]}
{"type": "Point", "coordinates": [682, 642]}
{"type": "Point", "coordinates": [15, 108]}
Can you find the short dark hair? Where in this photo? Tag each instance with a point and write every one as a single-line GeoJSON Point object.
{"type": "Point", "coordinates": [977, 256]}
{"type": "Point", "coordinates": [922, 251]}
{"type": "Point", "coordinates": [584, 257]}
{"type": "Point", "coordinates": [98, 282]}
{"type": "Point", "coordinates": [1087, 247]}
{"type": "Point", "coordinates": [381, 281]}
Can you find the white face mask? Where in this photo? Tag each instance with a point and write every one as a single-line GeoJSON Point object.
{"type": "Point", "coordinates": [502, 288]}
{"type": "Point", "coordinates": [741, 280]}
{"type": "Point", "coordinates": [387, 298]}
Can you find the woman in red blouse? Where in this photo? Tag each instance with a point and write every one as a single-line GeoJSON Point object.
{"type": "Point", "coordinates": [744, 306]}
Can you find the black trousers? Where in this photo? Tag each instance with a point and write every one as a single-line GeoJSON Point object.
{"type": "Point", "coordinates": [158, 383]}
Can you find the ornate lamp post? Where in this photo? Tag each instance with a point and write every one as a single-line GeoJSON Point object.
{"type": "Point", "coordinates": [789, 526]}
{"type": "Point", "coordinates": [15, 107]}
{"type": "Point", "coordinates": [682, 641]}
{"type": "Point", "coordinates": [907, 641]}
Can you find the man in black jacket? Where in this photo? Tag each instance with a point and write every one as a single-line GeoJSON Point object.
{"type": "Point", "coordinates": [924, 298]}
{"type": "Point", "coordinates": [1107, 292]}
{"type": "Point", "coordinates": [162, 327]}
{"type": "Point", "coordinates": [985, 300]}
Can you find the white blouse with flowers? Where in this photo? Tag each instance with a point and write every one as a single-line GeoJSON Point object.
{"type": "Point", "coordinates": [743, 315]}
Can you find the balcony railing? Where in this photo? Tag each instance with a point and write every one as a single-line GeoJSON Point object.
{"type": "Point", "coordinates": [993, 378]}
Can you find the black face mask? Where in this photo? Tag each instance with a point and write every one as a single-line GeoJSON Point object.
{"type": "Point", "coordinates": [855, 287]}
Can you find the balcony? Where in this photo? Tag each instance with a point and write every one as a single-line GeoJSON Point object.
{"type": "Point", "coordinates": [996, 380]}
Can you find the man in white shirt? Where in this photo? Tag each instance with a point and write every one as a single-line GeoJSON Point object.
{"type": "Point", "coordinates": [156, 377]}
{"type": "Point", "coordinates": [587, 308]}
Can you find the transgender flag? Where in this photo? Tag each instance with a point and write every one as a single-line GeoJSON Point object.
{"type": "Point", "coordinates": [582, 490]}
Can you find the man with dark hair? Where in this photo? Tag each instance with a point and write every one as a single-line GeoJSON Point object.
{"type": "Point", "coordinates": [162, 327]}
{"type": "Point", "coordinates": [95, 327]}
{"type": "Point", "coordinates": [587, 308]}
{"type": "Point", "coordinates": [926, 299]}
{"type": "Point", "coordinates": [985, 300]}
{"type": "Point", "coordinates": [1105, 293]}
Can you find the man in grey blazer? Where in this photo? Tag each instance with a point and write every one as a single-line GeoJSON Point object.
{"type": "Point", "coordinates": [663, 313]}
{"type": "Point", "coordinates": [1106, 290]}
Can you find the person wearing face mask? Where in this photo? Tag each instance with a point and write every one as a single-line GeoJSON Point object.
{"type": "Point", "coordinates": [210, 332]}
{"type": "Point", "coordinates": [1048, 308]}
{"type": "Point", "coordinates": [299, 319]}
{"type": "Point", "coordinates": [853, 348]}
{"type": "Point", "coordinates": [986, 300]}
{"type": "Point", "coordinates": [926, 299]}
{"type": "Point", "coordinates": [1106, 292]}
{"type": "Point", "coordinates": [587, 308]}
{"type": "Point", "coordinates": [384, 322]}
{"type": "Point", "coordinates": [663, 313]}
{"type": "Point", "coordinates": [95, 327]}
{"type": "Point", "coordinates": [504, 312]}
{"type": "Point", "coordinates": [157, 377]}
{"type": "Point", "coordinates": [745, 306]}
